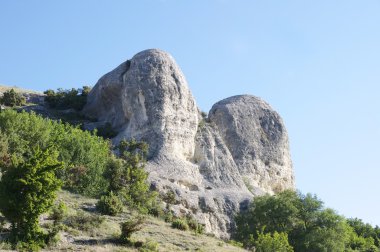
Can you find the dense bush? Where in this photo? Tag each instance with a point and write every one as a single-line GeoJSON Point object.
{"type": "Point", "coordinates": [129, 227]}
{"type": "Point", "coordinates": [58, 212]}
{"type": "Point", "coordinates": [106, 131]}
{"type": "Point", "coordinates": [187, 223]}
{"type": "Point", "coordinates": [28, 189]}
{"type": "Point", "coordinates": [128, 178]}
{"type": "Point", "coordinates": [67, 99]}
{"type": "Point", "coordinates": [110, 204]}
{"type": "Point", "coordinates": [276, 242]}
{"type": "Point", "coordinates": [309, 226]}
{"type": "Point", "coordinates": [180, 224]}
{"type": "Point", "coordinates": [89, 166]}
{"type": "Point", "coordinates": [11, 98]}
{"type": "Point", "coordinates": [195, 226]}
{"type": "Point", "coordinates": [84, 155]}
{"type": "Point", "coordinates": [4, 154]}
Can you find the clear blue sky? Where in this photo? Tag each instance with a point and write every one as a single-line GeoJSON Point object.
{"type": "Point", "coordinates": [316, 62]}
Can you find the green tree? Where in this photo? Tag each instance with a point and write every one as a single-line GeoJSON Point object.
{"type": "Point", "coordinates": [110, 204]}
{"type": "Point", "coordinates": [364, 237]}
{"type": "Point", "coordinates": [27, 190]}
{"type": "Point", "coordinates": [272, 213]}
{"type": "Point", "coordinates": [309, 226]}
{"type": "Point", "coordinates": [267, 242]}
{"type": "Point", "coordinates": [328, 232]}
{"type": "Point", "coordinates": [127, 176]}
{"type": "Point", "coordinates": [11, 98]}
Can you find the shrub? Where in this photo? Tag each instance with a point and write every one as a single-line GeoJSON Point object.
{"type": "Point", "coordinates": [11, 98]}
{"type": "Point", "coordinates": [28, 189]}
{"type": "Point", "coordinates": [149, 246]}
{"type": "Point", "coordinates": [156, 209]}
{"type": "Point", "coordinates": [110, 204]}
{"type": "Point", "coordinates": [276, 242]}
{"type": "Point", "coordinates": [106, 131]}
{"type": "Point", "coordinates": [168, 216]}
{"type": "Point", "coordinates": [128, 178]}
{"type": "Point", "coordinates": [195, 226]}
{"type": "Point", "coordinates": [58, 212]}
{"type": "Point", "coordinates": [67, 99]}
{"type": "Point", "coordinates": [84, 221]}
{"type": "Point", "coordinates": [180, 224]}
{"type": "Point", "coordinates": [129, 227]}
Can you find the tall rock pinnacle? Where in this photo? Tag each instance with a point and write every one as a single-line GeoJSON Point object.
{"type": "Point", "coordinates": [213, 165]}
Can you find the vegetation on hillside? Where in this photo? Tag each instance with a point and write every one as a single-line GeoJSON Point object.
{"type": "Point", "coordinates": [37, 155]}
{"type": "Point", "coordinates": [293, 221]}
{"type": "Point", "coordinates": [84, 155]}
{"type": "Point", "coordinates": [67, 99]}
{"type": "Point", "coordinates": [11, 98]}
{"type": "Point", "coordinates": [28, 189]}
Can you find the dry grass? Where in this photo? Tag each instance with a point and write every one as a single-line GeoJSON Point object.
{"type": "Point", "coordinates": [103, 237]}
{"type": "Point", "coordinates": [4, 88]}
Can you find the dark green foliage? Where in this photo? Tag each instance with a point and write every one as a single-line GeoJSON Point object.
{"type": "Point", "coordinates": [309, 226]}
{"type": "Point", "coordinates": [156, 209]}
{"type": "Point", "coordinates": [58, 212]}
{"type": "Point", "coordinates": [11, 98]}
{"type": "Point", "coordinates": [195, 226]}
{"type": "Point", "coordinates": [4, 154]}
{"type": "Point", "coordinates": [274, 213]}
{"type": "Point", "coordinates": [84, 155]}
{"type": "Point", "coordinates": [28, 189]}
{"type": "Point", "coordinates": [127, 177]}
{"type": "Point", "coordinates": [267, 242]}
{"type": "Point", "coordinates": [84, 221]}
{"type": "Point", "coordinates": [133, 151]}
{"type": "Point", "coordinates": [364, 236]}
{"type": "Point", "coordinates": [106, 131]}
{"type": "Point", "coordinates": [187, 223]}
{"type": "Point", "coordinates": [2, 223]}
{"type": "Point", "coordinates": [129, 227]}
{"type": "Point", "coordinates": [110, 204]}
{"type": "Point", "coordinates": [180, 224]}
{"type": "Point", "coordinates": [67, 99]}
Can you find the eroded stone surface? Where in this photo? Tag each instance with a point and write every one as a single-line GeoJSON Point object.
{"type": "Point", "coordinates": [213, 165]}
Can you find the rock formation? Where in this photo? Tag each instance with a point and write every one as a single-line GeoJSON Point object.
{"type": "Point", "coordinates": [214, 165]}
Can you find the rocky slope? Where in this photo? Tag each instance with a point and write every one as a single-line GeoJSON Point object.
{"type": "Point", "coordinates": [214, 165]}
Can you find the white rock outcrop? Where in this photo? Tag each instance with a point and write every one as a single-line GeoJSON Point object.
{"type": "Point", "coordinates": [214, 165]}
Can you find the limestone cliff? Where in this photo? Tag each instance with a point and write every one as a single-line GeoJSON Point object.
{"type": "Point", "coordinates": [214, 165]}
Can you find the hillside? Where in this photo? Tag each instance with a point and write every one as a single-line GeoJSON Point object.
{"type": "Point", "coordinates": [4, 88]}
{"type": "Point", "coordinates": [103, 236]}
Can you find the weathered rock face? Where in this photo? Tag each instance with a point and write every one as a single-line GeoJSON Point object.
{"type": "Point", "coordinates": [214, 165]}
{"type": "Point", "coordinates": [147, 98]}
{"type": "Point", "coordinates": [257, 140]}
